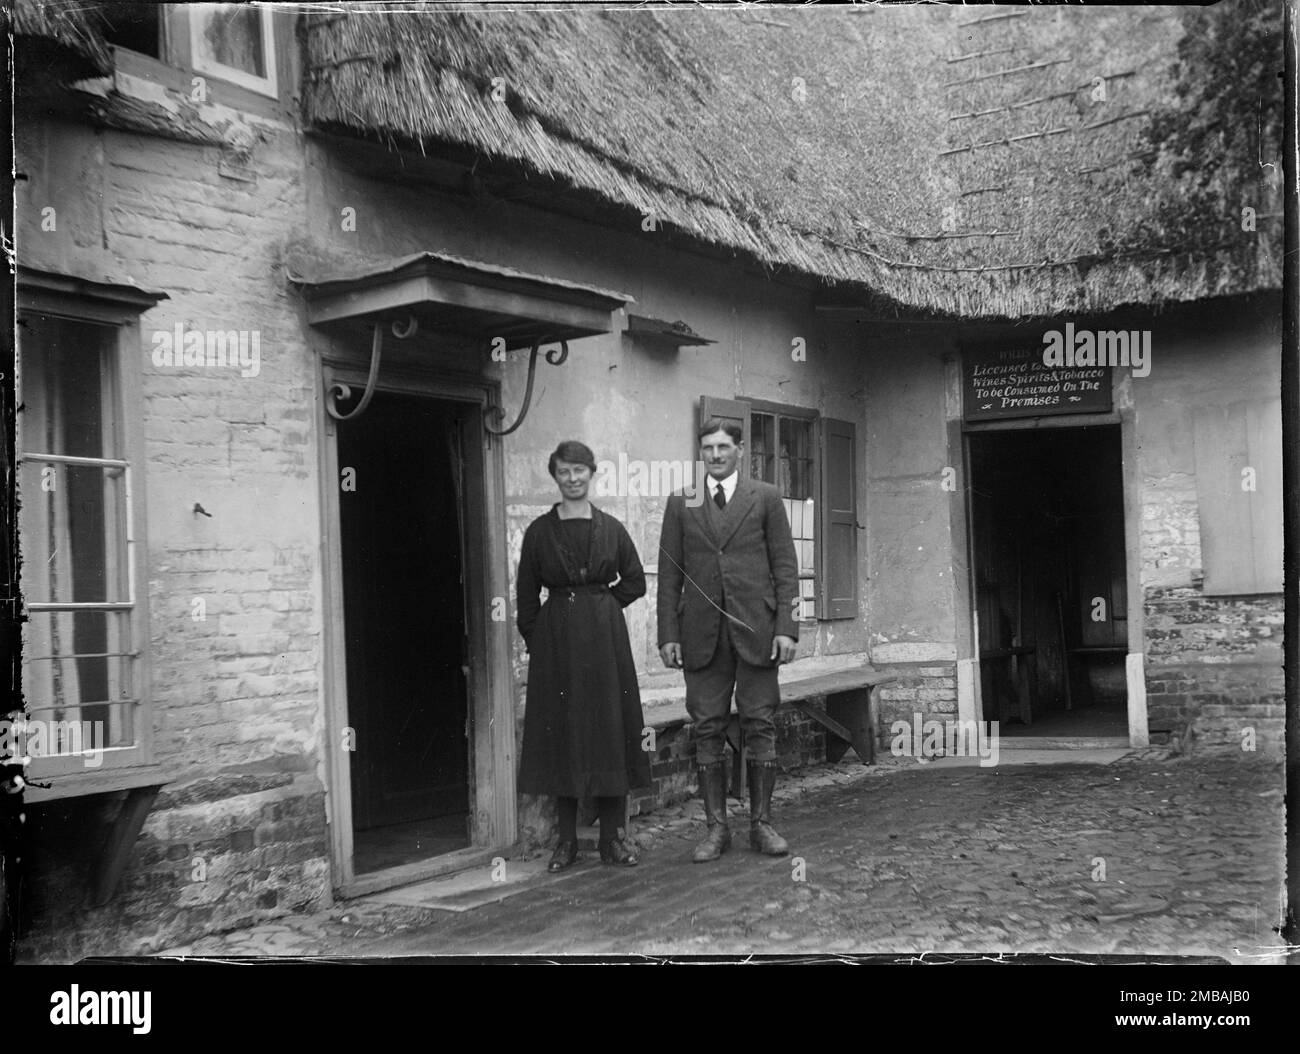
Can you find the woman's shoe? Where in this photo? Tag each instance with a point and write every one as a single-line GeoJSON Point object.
{"type": "Point", "coordinates": [618, 852]}
{"type": "Point", "coordinates": [564, 856]}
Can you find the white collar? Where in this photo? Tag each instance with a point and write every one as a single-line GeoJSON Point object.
{"type": "Point", "coordinates": [728, 485]}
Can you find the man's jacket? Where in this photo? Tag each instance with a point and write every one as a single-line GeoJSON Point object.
{"type": "Point", "coordinates": [748, 567]}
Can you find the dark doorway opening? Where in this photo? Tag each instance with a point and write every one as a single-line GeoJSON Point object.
{"type": "Point", "coordinates": [403, 547]}
{"type": "Point", "coordinates": [1047, 525]}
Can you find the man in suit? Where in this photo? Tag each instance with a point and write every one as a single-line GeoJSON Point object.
{"type": "Point", "coordinates": [728, 582]}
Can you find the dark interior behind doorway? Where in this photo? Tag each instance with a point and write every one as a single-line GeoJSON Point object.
{"type": "Point", "coordinates": [1048, 549]}
{"type": "Point", "coordinates": [404, 614]}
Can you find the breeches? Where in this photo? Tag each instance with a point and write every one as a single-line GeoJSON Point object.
{"type": "Point", "coordinates": [708, 701]}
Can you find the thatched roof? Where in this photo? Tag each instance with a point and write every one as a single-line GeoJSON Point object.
{"type": "Point", "coordinates": [952, 159]}
{"type": "Point", "coordinates": [58, 37]}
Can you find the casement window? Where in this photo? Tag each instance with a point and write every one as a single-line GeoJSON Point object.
{"type": "Point", "coordinates": [80, 527]}
{"type": "Point", "coordinates": [1239, 496]}
{"type": "Point", "coordinates": [234, 42]}
{"type": "Point", "coordinates": [812, 460]}
{"type": "Point", "coordinates": [242, 48]}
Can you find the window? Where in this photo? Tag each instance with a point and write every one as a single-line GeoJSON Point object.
{"type": "Point", "coordinates": [233, 42]}
{"type": "Point", "coordinates": [135, 27]}
{"type": "Point", "coordinates": [780, 453]}
{"type": "Point", "coordinates": [812, 461]}
{"type": "Point", "coordinates": [82, 585]}
{"type": "Point", "coordinates": [234, 46]}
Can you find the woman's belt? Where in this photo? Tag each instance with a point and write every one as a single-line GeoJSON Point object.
{"type": "Point", "coordinates": [572, 591]}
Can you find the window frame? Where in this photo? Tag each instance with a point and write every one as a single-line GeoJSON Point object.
{"type": "Point", "coordinates": [268, 85]}
{"type": "Point", "coordinates": [119, 308]}
{"type": "Point", "coordinates": [176, 71]}
{"type": "Point", "coordinates": [778, 412]}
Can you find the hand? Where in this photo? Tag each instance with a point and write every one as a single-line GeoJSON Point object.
{"type": "Point", "coordinates": [671, 653]}
{"type": "Point", "coordinates": [783, 649]}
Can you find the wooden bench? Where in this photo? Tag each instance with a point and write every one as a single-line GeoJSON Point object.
{"type": "Point", "coordinates": [1076, 674]}
{"type": "Point", "coordinates": [1023, 688]}
{"type": "Point", "coordinates": [851, 715]}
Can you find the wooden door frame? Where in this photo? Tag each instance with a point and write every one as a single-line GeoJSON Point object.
{"type": "Point", "coordinates": [490, 703]}
{"type": "Point", "coordinates": [963, 523]}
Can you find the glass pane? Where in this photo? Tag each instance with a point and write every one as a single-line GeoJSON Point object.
{"type": "Point", "coordinates": [795, 472]}
{"type": "Point", "coordinates": [69, 404]}
{"type": "Point", "coordinates": [76, 670]}
{"type": "Point", "coordinates": [134, 26]}
{"type": "Point", "coordinates": [762, 429]}
{"type": "Point", "coordinates": [231, 34]}
{"type": "Point", "coordinates": [72, 529]}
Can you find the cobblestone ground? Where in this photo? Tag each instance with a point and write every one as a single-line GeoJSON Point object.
{"type": "Point", "coordinates": [1147, 855]}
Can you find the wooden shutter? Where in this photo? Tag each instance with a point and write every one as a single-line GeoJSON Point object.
{"type": "Point", "coordinates": [1241, 530]}
{"type": "Point", "coordinates": [837, 519]}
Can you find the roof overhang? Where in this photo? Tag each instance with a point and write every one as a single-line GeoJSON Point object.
{"type": "Point", "coordinates": [452, 295]}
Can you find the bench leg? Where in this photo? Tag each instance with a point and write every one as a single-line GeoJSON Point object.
{"type": "Point", "coordinates": [873, 720]}
{"type": "Point", "coordinates": [853, 713]}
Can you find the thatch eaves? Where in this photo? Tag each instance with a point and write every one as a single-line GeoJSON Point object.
{"type": "Point", "coordinates": [973, 161]}
{"type": "Point", "coordinates": [57, 40]}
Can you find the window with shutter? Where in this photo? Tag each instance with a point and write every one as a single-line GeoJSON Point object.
{"type": "Point", "coordinates": [837, 502]}
{"type": "Point", "coordinates": [811, 461]}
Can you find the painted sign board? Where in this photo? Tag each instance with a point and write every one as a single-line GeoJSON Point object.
{"type": "Point", "coordinates": [1015, 382]}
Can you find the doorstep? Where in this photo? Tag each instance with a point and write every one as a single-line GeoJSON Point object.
{"type": "Point", "coordinates": [1027, 742]}
{"type": "Point", "coordinates": [1031, 756]}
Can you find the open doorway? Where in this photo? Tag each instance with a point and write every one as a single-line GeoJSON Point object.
{"type": "Point", "coordinates": [402, 538]}
{"type": "Point", "coordinates": [1047, 530]}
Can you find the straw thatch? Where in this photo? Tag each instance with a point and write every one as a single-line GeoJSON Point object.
{"type": "Point", "coordinates": [952, 159]}
{"type": "Point", "coordinates": [57, 40]}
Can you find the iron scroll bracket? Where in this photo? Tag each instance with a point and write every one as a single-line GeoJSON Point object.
{"type": "Point", "coordinates": [339, 392]}
{"type": "Point", "coordinates": [556, 357]}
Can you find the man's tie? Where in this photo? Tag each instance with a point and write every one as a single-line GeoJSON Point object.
{"type": "Point", "coordinates": [720, 497]}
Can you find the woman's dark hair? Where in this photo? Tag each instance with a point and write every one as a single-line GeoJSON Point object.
{"type": "Point", "coordinates": [717, 424]}
{"type": "Point", "coordinates": [574, 453]}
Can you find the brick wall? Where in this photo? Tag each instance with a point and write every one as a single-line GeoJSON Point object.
{"type": "Point", "coordinates": [235, 694]}
{"type": "Point", "coordinates": [928, 689]}
{"type": "Point", "coordinates": [216, 854]}
{"type": "Point", "coordinates": [1215, 662]}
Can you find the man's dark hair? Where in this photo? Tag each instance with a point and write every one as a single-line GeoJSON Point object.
{"type": "Point", "coordinates": [717, 424]}
{"type": "Point", "coordinates": [574, 453]}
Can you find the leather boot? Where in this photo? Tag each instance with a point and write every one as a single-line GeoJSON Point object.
{"type": "Point", "coordinates": [762, 836]}
{"type": "Point", "coordinates": [713, 789]}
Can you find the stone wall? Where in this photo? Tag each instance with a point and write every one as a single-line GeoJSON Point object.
{"type": "Point", "coordinates": [1215, 663]}
{"type": "Point", "coordinates": [928, 689]}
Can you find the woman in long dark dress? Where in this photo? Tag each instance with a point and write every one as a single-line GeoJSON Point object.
{"type": "Point", "coordinates": [583, 720]}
